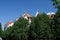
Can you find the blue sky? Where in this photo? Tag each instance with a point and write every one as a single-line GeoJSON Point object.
{"type": "Point", "coordinates": [11, 9]}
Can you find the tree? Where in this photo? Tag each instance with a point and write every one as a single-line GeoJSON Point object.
{"type": "Point", "coordinates": [22, 24]}
{"type": "Point", "coordinates": [0, 30]}
{"type": "Point", "coordinates": [56, 3]}
{"type": "Point", "coordinates": [18, 31]}
{"type": "Point", "coordinates": [45, 31]}
{"type": "Point", "coordinates": [39, 28]}
{"type": "Point", "coordinates": [31, 30]}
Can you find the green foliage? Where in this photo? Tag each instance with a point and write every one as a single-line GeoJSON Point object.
{"type": "Point", "coordinates": [18, 31]}
{"type": "Point", "coordinates": [44, 28]}
{"type": "Point", "coordinates": [31, 30]}
{"type": "Point", "coordinates": [0, 30]}
{"type": "Point", "coordinates": [39, 29]}
{"type": "Point", "coordinates": [57, 26]}
{"type": "Point", "coordinates": [58, 13]}
{"type": "Point", "coordinates": [56, 3]}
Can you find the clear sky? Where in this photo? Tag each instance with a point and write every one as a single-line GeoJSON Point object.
{"type": "Point", "coordinates": [11, 9]}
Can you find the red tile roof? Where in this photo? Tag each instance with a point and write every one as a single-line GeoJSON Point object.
{"type": "Point", "coordinates": [7, 23]}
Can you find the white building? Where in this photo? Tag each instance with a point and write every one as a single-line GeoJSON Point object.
{"type": "Point", "coordinates": [51, 14]}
